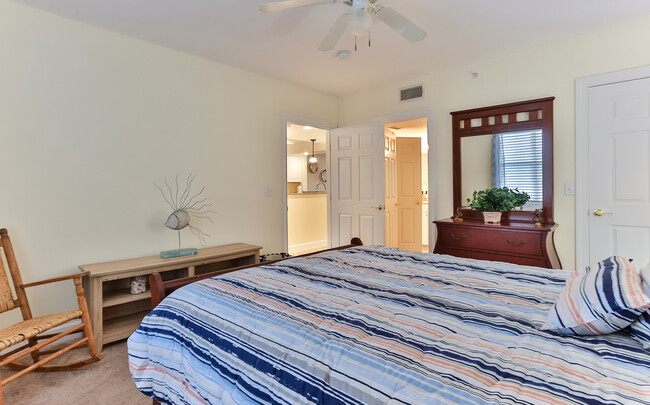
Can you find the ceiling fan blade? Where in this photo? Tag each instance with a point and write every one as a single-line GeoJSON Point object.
{"type": "Point", "coordinates": [401, 24]}
{"type": "Point", "coordinates": [336, 32]}
{"type": "Point", "coordinates": [287, 4]}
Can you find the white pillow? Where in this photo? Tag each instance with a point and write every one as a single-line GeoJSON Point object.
{"type": "Point", "coordinates": [640, 329]}
{"type": "Point", "coordinates": [598, 300]}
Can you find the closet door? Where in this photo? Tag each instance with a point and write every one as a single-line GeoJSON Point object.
{"type": "Point", "coordinates": [619, 170]}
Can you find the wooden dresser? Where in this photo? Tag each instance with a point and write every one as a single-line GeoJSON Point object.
{"type": "Point", "coordinates": [513, 242]}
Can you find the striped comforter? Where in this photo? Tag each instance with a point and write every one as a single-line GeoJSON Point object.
{"type": "Point", "coordinates": [374, 325]}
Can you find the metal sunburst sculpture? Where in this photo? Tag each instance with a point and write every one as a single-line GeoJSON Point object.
{"type": "Point", "coordinates": [184, 207]}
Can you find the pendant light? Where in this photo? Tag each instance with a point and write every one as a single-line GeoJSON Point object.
{"type": "Point", "coordinates": [312, 159]}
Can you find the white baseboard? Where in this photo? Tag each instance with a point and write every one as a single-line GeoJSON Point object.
{"type": "Point", "coordinates": [307, 247]}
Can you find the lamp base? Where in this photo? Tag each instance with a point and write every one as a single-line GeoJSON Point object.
{"type": "Point", "coordinates": [168, 254]}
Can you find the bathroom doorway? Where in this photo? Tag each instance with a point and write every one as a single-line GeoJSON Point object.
{"type": "Point", "coordinates": [307, 188]}
{"type": "Point", "coordinates": [406, 185]}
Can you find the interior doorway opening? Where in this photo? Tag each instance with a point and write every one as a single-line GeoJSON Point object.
{"type": "Point", "coordinates": [307, 189]}
{"type": "Point", "coordinates": [406, 185]}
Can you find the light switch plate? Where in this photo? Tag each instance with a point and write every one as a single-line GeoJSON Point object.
{"type": "Point", "coordinates": [569, 189]}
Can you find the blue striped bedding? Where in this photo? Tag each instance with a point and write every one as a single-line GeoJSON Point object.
{"type": "Point", "coordinates": [375, 325]}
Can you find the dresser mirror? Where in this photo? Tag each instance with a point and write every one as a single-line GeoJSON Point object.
{"type": "Point", "coordinates": [511, 159]}
{"type": "Point", "coordinates": [509, 145]}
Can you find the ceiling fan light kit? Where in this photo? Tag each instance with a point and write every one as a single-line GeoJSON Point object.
{"type": "Point", "coordinates": [361, 23]}
{"type": "Point", "coordinates": [358, 19]}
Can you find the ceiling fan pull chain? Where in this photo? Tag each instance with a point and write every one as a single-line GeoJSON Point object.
{"type": "Point", "coordinates": [369, 40]}
{"type": "Point", "coordinates": [355, 43]}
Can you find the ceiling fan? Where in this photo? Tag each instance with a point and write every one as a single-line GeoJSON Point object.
{"type": "Point", "coordinates": [358, 18]}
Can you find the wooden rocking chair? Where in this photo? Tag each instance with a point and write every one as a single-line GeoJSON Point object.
{"type": "Point", "coordinates": [30, 329]}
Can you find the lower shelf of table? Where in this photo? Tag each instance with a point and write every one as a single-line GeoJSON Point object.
{"type": "Point", "coordinates": [123, 296]}
{"type": "Point", "coordinates": [122, 327]}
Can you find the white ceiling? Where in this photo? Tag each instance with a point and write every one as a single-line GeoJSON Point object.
{"type": "Point", "coordinates": [410, 128]}
{"type": "Point", "coordinates": [299, 139]}
{"type": "Point", "coordinates": [284, 44]}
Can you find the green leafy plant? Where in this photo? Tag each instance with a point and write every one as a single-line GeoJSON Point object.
{"type": "Point", "coordinates": [497, 199]}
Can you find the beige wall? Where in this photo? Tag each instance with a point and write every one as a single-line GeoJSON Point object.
{"type": "Point", "coordinates": [90, 119]}
{"type": "Point", "coordinates": [306, 222]}
{"type": "Point", "coordinates": [549, 70]}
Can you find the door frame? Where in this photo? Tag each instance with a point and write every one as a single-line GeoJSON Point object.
{"type": "Point", "coordinates": [300, 120]}
{"type": "Point", "coordinates": [429, 113]}
{"type": "Point", "coordinates": [582, 144]}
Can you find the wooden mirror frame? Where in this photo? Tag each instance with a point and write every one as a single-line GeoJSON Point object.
{"type": "Point", "coordinates": [490, 121]}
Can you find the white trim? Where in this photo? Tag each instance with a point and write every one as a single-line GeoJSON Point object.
{"type": "Point", "coordinates": [296, 119]}
{"type": "Point", "coordinates": [433, 182]}
{"type": "Point", "coordinates": [582, 145]}
{"type": "Point", "coordinates": [309, 246]}
{"type": "Point", "coordinates": [328, 160]}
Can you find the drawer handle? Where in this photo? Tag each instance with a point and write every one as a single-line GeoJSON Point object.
{"type": "Point", "coordinates": [511, 243]}
{"type": "Point", "coordinates": [461, 237]}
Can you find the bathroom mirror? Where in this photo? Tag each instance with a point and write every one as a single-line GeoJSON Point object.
{"type": "Point", "coordinates": [508, 145]}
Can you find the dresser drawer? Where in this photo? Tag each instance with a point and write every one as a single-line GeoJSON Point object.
{"type": "Point", "coordinates": [514, 242]}
{"type": "Point", "coordinates": [493, 239]}
{"type": "Point", "coordinates": [538, 261]}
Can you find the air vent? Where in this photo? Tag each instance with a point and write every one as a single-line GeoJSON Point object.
{"type": "Point", "coordinates": [411, 93]}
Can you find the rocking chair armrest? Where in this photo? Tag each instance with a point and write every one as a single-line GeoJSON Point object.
{"type": "Point", "coordinates": [55, 279]}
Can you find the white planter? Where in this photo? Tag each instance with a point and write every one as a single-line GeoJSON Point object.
{"type": "Point", "coordinates": [492, 217]}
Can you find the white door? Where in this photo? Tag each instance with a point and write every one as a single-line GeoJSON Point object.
{"type": "Point", "coordinates": [390, 188]}
{"type": "Point", "coordinates": [357, 184]}
{"type": "Point", "coordinates": [619, 171]}
{"type": "Point", "coordinates": [409, 193]}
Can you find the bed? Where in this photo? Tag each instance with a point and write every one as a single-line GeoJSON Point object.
{"type": "Point", "coordinates": [377, 325]}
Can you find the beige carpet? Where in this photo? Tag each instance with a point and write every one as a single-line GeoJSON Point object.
{"type": "Point", "coordinates": [107, 382]}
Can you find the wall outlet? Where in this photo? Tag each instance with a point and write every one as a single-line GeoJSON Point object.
{"type": "Point", "coordinates": [569, 189]}
{"type": "Point", "coordinates": [268, 191]}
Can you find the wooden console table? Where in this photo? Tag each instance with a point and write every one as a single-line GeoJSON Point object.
{"type": "Point", "coordinates": [115, 313]}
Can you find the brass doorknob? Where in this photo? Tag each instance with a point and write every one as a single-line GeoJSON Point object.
{"type": "Point", "coordinates": [599, 213]}
{"type": "Point", "coordinates": [377, 207]}
{"type": "Point", "coordinates": [417, 203]}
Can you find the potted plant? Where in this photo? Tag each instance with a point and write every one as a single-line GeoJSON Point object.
{"type": "Point", "coordinates": [493, 201]}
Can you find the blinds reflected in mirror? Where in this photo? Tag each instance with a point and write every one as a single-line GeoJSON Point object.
{"type": "Point", "coordinates": [517, 163]}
